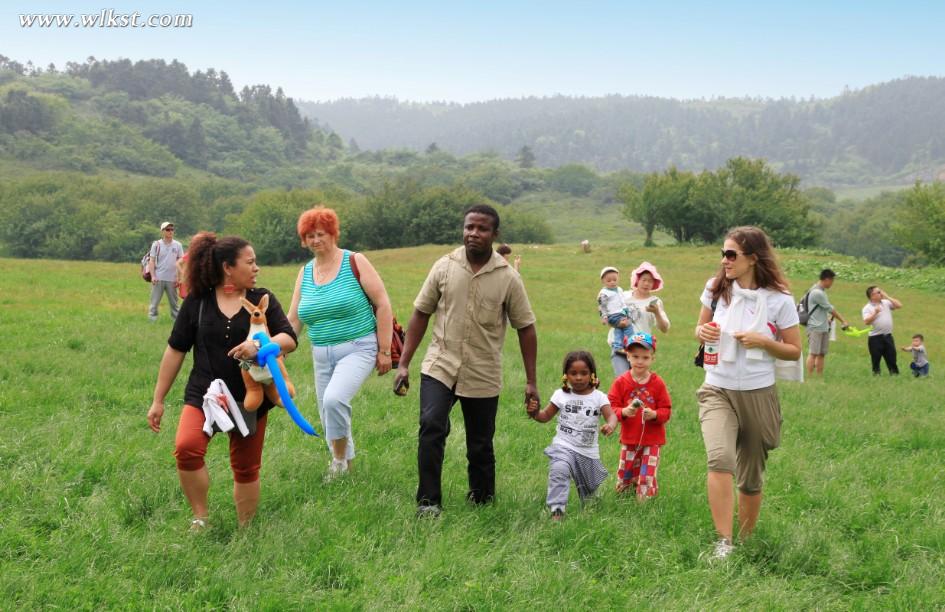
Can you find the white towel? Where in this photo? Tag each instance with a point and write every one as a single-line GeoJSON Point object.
{"type": "Point", "coordinates": [223, 415]}
{"type": "Point", "coordinates": [733, 322]}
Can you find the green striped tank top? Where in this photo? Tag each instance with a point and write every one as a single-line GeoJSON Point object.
{"type": "Point", "coordinates": [338, 311]}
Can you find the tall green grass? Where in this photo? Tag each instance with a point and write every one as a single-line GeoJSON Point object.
{"type": "Point", "coordinates": [91, 515]}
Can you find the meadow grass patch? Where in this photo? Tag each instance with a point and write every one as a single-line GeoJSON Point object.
{"type": "Point", "coordinates": [93, 516]}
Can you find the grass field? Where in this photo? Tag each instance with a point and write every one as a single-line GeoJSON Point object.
{"type": "Point", "coordinates": [573, 219]}
{"type": "Point", "coordinates": [93, 518]}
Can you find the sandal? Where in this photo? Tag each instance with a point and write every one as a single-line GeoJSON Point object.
{"type": "Point", "coordinates": [197, 525]}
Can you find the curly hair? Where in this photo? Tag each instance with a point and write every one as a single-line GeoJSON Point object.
{"type": "Point", "coordinates": [206, 256]}
{"type": "Point", "coordinates": [320, 217]}
{"type": "Point", "coordinates": [572, 357]}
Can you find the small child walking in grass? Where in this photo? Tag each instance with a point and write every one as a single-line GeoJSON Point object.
{"type": "Point", "coordinates": [920, 359]}
{"type": "Point", "coordinates": [642, 405]}
{"type": "Point", "coordinates": [573, 453]}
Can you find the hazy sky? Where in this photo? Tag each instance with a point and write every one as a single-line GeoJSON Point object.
{"type": "Point", "coordinates": [468, 51]}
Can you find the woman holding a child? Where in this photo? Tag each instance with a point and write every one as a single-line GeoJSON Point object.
{"type": "Point", "coordinates": [645, 311]}
{"type": "Point", "coordinates": [748, 310]}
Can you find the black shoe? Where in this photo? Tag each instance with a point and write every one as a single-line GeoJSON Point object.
{"type": "Point", "coordinates": [429, 511]}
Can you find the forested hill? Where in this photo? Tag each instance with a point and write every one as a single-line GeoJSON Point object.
{"type": "Point", "coordinates": [892, 131]}
{"type": "Point", "coordinates": [153, 117]}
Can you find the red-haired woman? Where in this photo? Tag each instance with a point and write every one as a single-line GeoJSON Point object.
{"type": "Point", "coordinates": [214, 323]}
{"type": "Point", "coordinates": [348, 339]}
{"type": "Point", "coordinates": [755, 323]}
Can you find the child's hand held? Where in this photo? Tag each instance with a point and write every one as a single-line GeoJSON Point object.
{"type": "Point", "coordinates": [531, 406]}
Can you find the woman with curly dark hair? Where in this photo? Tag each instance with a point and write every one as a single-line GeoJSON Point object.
{"type": "Point", "coordinates": [212, 321]}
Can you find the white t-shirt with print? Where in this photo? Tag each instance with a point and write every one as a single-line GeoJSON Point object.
{"type": "Point", "coordinates": [745, 374]}
{"type": "Point", "coordinates": [578, 420]}
{"type": "Point", "coordinates": [883, 324]}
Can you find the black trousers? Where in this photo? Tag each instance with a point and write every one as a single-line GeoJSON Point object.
{"type": "Point", "coordinates": [436, 401]}
{"type": "Point", "coordinates": [883, 347]}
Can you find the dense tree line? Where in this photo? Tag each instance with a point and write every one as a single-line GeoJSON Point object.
{"type": "Point", "coordinates": [97, 154]}
{"type": "Point", "coordinates": [72, 216]}
{"type": "Point", "coordinates": [856, 137]}
{"type": "Point", "coordinates": [702, 207]}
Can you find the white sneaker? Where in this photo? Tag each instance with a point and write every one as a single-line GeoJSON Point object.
{"type": "Point", "coordinates": [723, 548]}
{"type": "Point", "coordinates": [336, 469]}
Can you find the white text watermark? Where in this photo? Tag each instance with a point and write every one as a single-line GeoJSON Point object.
{"type": "Point", "coordinates": [106, 18]}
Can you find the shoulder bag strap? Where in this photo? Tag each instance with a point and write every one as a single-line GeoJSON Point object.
{"type": "Point", "coordinates": [196, 340]}
{"type": "Point", "coordinates": [357, 275]}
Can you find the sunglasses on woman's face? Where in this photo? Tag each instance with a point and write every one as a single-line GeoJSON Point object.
{"type": "Point", "coordinates": [730, 254]}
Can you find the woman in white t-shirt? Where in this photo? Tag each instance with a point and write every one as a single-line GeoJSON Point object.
{"type": "Point", "coordinates": [754, 323]}
{"type": "Point", "coordinates": [645, 310]}
{"type": "Point", "coordinates": [878, 313]}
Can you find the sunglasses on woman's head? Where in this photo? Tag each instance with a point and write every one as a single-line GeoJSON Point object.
{"type": "Point", "coordinates": [730, 254]}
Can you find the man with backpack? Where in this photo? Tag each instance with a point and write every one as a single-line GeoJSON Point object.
{"type": "Point", "coordinates": [162, 264]}
{"type": "Point", "coordinates": [819, 311]}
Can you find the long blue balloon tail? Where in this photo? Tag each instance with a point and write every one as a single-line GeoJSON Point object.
{"type": "Point", "coordinates": [268, 354]}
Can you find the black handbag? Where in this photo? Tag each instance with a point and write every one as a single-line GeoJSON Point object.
{"type": "Point", "coordinates": [248, 417]}
{"type": "Point", "coordinates": [699, 359]}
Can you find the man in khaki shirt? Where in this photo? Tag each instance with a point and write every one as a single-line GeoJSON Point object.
{"type": "Point", "coordinates": [474, 293]}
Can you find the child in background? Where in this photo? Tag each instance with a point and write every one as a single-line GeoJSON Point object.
{"type": "Point", "coordinates": [642, 405]}
{"type": "Point", "coordinates": [920, 360]}
{"type": "Point", "coordinates": [613, 311]}
{"type": "Point", "coordinates": [573, 453]}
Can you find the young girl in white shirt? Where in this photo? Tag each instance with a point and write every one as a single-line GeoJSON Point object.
{"type": "Point", "coordinates": [573, 453]}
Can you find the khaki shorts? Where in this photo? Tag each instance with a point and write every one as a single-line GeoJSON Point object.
{"type": "Point", "coordinates": [738, 429]}
{"type": "Point", "coordinates": [818, 343]}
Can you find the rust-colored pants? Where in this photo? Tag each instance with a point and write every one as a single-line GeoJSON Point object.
{"type": "Point", "coordinates": [190, 446]}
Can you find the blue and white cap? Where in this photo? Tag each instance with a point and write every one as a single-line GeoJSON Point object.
{"type": "Point", "coordinates": [643, 339]}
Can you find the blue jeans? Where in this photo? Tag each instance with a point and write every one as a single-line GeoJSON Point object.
{"type": "Point", "coordinates": [619, 332]}
{"type": "Point", "coordinates": [340, 370]}
{"type": "Point", "coordinates": [918, 370]}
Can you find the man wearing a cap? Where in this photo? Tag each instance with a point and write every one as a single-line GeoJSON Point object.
{"type": "Point", "coordinates": [162, 262]}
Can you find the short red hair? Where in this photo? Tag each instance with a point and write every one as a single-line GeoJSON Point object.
{"type": "Point", "coordinates": [316, 218]}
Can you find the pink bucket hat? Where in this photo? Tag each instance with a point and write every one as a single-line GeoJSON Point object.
{"type": "Point", "coordinates": [647, 267]}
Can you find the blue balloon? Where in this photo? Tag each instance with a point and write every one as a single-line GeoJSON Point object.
{"type": "Point", "coordinates": [268, 352]}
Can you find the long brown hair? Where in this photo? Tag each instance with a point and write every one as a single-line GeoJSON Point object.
{"type": "Point", "coordinates": [206, 256]}
{"type": "Point", "coordinates": [768, 275]}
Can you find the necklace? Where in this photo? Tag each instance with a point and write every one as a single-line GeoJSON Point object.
{"type": "Point", "coordinates": [329, 265]}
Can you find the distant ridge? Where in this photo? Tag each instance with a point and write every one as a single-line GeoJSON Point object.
{"type": "Point", "coordinates": [893, 131]}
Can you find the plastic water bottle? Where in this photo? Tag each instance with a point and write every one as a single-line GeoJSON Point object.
{"type": "Point", "coordinates": [710, 358]}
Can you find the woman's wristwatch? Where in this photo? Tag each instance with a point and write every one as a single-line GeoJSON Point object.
{"type": "Point", "coordinates": [385, 353]}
